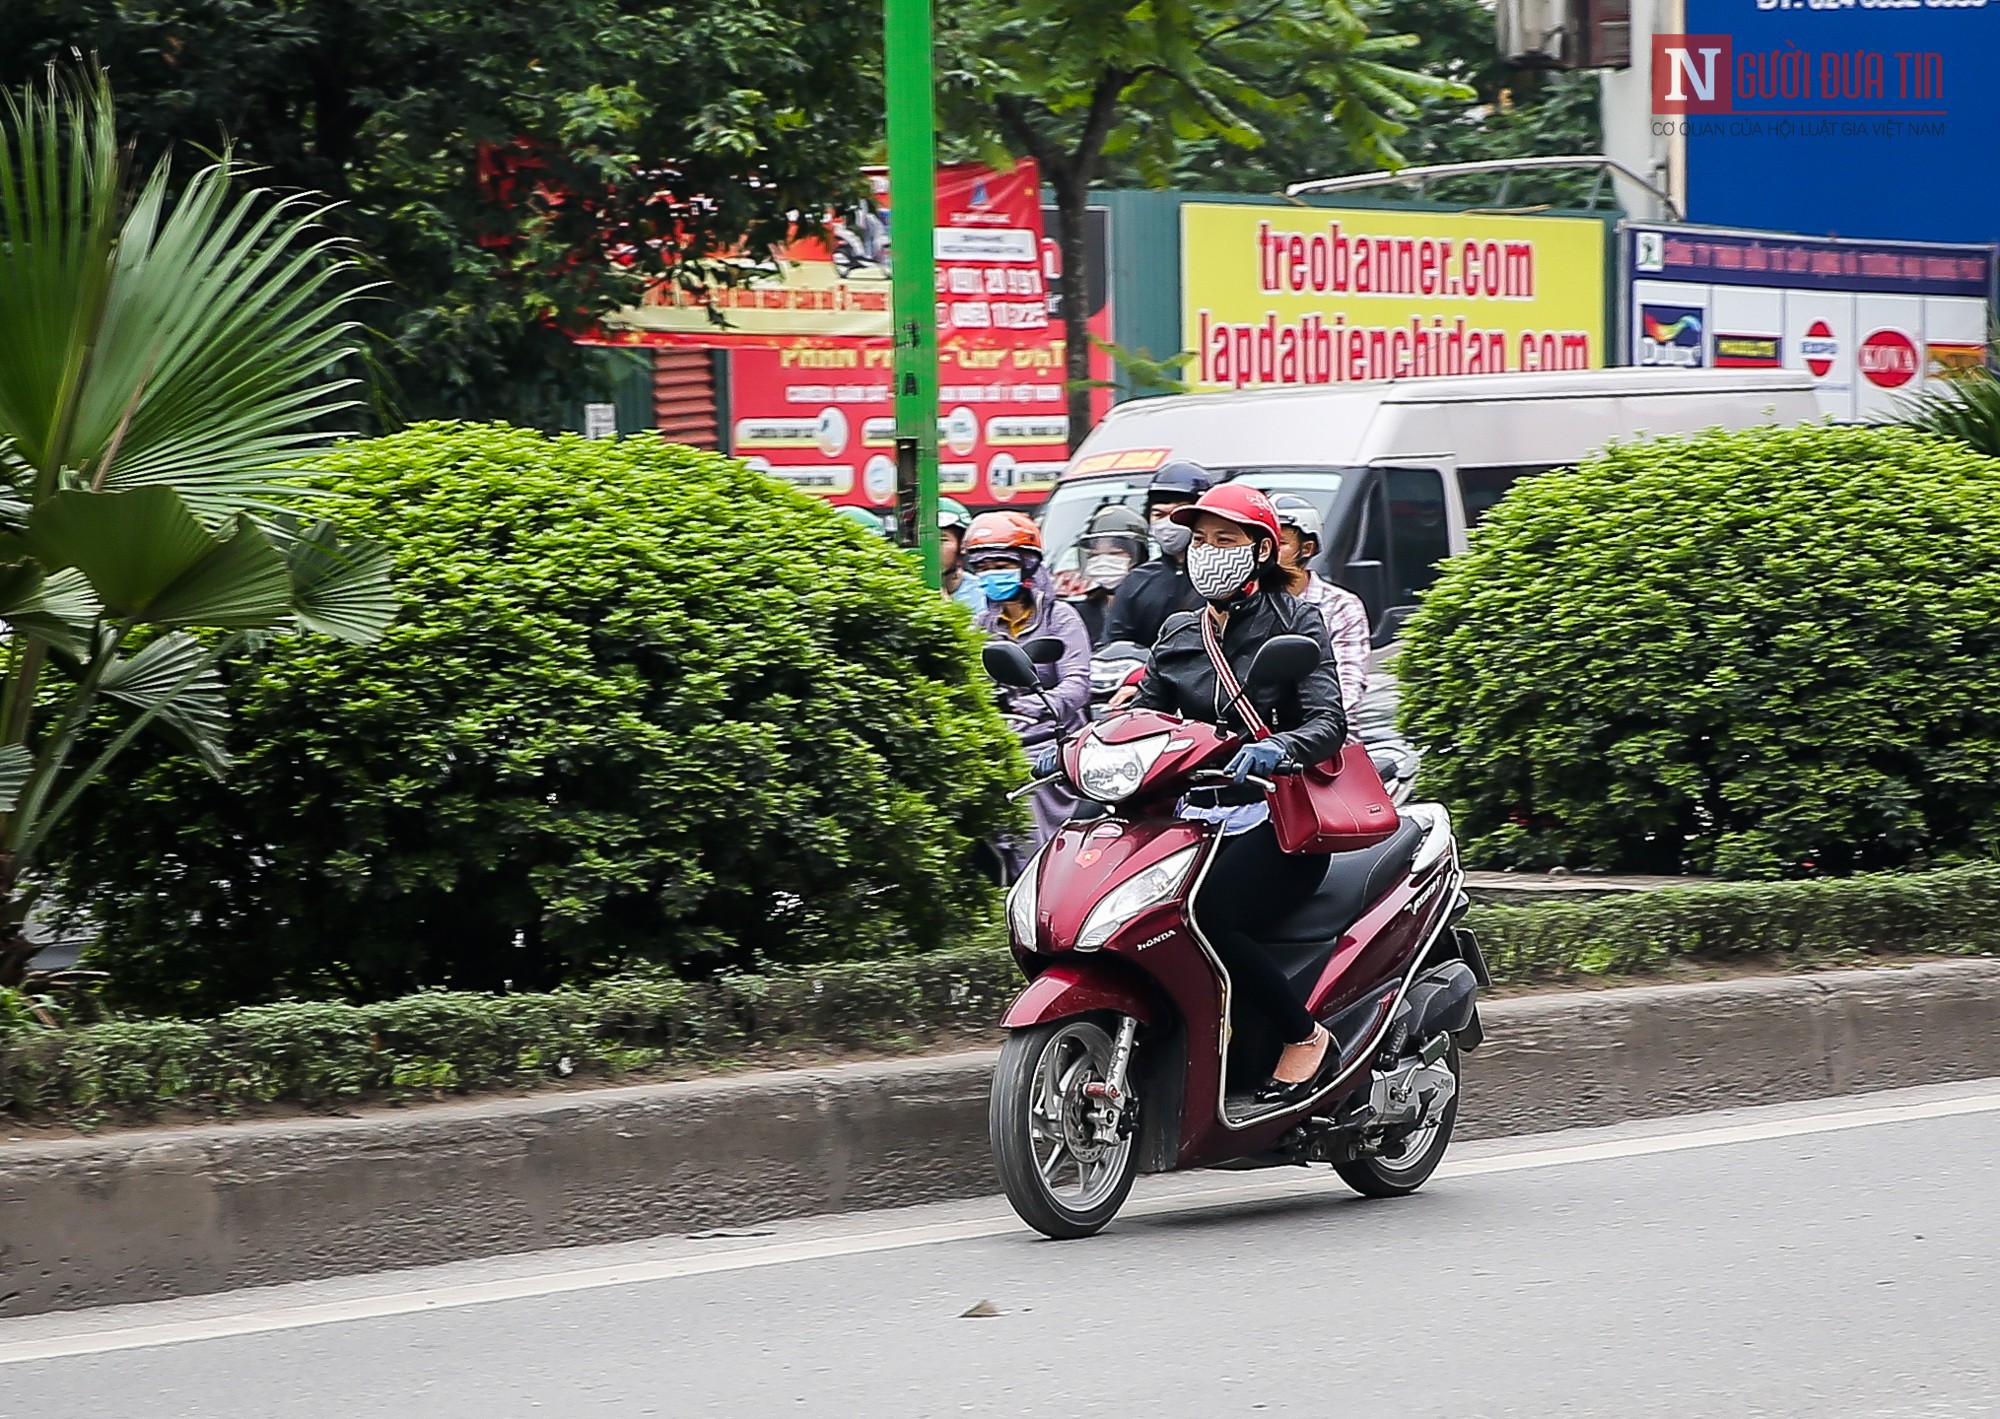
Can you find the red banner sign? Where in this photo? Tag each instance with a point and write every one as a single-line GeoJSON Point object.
{"type": "Point", "coordinates": [809, 351]}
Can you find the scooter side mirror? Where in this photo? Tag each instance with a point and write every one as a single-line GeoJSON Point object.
{"type": "Point", "coordinates": [1283, 660]}
{"type": "Point", "coordinates": [1008, 664]}
{"type": "Point", "coordinates": [1045, 650]}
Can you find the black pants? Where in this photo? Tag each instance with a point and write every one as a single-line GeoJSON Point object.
{"type": "Point", "coordinates": [1250, 888]}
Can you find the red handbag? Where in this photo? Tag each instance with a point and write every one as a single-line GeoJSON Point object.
{"type": "Point", "coordinates": [1336, 806]}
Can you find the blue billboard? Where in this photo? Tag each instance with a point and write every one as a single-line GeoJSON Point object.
{"type": "Point", "coordinates": [1853, 118]}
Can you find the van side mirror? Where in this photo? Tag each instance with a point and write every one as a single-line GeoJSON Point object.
{"type": "Point", "coordinates": [1282, 660]}
{"type": "Point", "coordinates": [1008, 664]}
{"type": "Point", "coordinates": [1390, 627]}
{"type": "Point", "coordinates": [1369, 580]}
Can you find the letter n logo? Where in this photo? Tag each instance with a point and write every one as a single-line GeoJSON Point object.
{"type": "Point", "coordinates": [1692, 73]}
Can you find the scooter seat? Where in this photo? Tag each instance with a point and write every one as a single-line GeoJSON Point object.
{"type": "Point", "coordinates": [1354, 882]}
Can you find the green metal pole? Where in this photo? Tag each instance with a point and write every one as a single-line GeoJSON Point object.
{"type": "Point", "coordinates": [913, 223]}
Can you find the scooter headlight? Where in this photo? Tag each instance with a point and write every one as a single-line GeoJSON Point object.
{"type": "Point", "coordinates": [1110, 772]}
{"type": "Point", "coordinates": [1021, 905]}
{"type": "Point", "coordinates": [1148, 889]}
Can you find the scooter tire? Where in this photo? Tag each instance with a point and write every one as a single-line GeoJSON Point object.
{"type": "Point", "coordinates": [1373, 1176]}
{"type": "Point", "coordinates": [1011, 1127]}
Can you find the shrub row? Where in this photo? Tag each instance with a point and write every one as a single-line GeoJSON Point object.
{"type": "Point", "coordinates": [320, 1054]}
{"type": "Point", "coordinates": [1950, 912]}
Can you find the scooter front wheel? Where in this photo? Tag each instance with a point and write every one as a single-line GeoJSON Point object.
{"type": "Point", "coordinates": [1065, 1155]}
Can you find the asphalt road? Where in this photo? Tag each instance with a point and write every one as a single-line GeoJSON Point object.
{"type": "Point", "coordinates": [1824, 1260]}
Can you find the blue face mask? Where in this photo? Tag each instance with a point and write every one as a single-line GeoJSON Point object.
{"type": "Point", "coordinates": [1001, 584]}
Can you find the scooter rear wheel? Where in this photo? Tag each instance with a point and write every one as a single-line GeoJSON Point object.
{"type": "Point", "coordinates": [1410, 1167]}
{"type": "Point", "coordinates": [1063, 1179]}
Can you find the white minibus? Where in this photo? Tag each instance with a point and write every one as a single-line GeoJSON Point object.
{"type": "Point", "coordinates": [1401, 469]}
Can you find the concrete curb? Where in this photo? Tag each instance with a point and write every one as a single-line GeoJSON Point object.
{"type": "Point", "coordinates": [145, 1216]}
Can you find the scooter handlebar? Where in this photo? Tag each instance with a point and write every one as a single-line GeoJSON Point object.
{"type": "Point", "coordinates": [1220, 777]}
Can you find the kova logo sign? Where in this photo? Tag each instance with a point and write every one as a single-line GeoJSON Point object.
{"type": "Point", "coordinates": [1670, 336]}
{"type": "Point", "coordinates": [1882, 90]}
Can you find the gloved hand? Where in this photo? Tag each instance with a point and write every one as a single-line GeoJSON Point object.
{"type": "Point", "coordinates": [1261, 758]}
{"type": "Point", "coordinates": [1045, 760]}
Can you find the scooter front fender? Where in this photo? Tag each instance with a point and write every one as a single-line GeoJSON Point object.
{"type": "Point", "coordinates": [1071, 988]}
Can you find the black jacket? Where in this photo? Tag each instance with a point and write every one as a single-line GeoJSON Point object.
{"type": "Point", "coordinates": [1307, 719]}
{"type": "Point", "coordinates": [1145, 599]}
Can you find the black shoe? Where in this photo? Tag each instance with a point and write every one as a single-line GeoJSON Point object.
{"type": "Point", "coordinates": [1275, 1092]}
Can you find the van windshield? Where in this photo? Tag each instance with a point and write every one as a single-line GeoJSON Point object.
{"type": "Point", "coordinates": [1069, 508]}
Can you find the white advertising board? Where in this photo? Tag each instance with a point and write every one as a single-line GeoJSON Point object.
{"type": "Point", "coordinates": [1874, 322]}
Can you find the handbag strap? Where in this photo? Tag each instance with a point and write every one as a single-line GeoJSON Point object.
{"type": "Point", "coordinates": [1226, 678]}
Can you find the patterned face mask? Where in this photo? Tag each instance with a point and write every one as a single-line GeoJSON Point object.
{"type": "Point", "coordinates": [1219, 573]}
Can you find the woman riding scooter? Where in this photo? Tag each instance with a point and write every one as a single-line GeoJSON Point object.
{"type": "Point", "coordinates": [1003, 552]}
{"type": "Point", "coordinates": [1252, 886]}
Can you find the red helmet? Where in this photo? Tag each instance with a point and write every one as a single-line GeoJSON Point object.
{"type": "Point", "coordinates": [1001, 532]}
{"type": "Point", "coordinates": [1240, 503]}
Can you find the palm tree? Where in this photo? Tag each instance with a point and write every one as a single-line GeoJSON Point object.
{"type": "Point", "coordinates": [1965, 407]}
{"type": "Point", "coordinates": [164, 362]}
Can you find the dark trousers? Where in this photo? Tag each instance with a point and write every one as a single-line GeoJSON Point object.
{"type": "Point", "coordinates": [1250, 888]}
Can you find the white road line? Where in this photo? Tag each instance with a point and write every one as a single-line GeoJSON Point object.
{"type": "Point", "coordinates": [446, 1297]}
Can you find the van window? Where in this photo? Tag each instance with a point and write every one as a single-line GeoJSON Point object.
{"type": "Point", "coordinates": [1483, 487]}
{"type": "Point", "coordinates": [1317, 486]}
{"type": "Point", "coordinates": [1068, 510]}
{"type": "Point", "coordinates": [1418, 535]}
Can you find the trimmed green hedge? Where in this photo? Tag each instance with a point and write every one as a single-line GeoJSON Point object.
{"type": "Point", "coordinates": [1765, 653]}
{"type": "Point", "coordinates": [644, 710]}
{"type": "Point", "coordinates": [320, 1054]}
{"type": "Point", "coordinates": [1949, 912]}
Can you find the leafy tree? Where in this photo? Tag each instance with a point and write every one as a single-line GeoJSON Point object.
{"type": "Point", "coordinates": [507, 172]}
{"type": "Point", "coordinates": [1077, 83]}
{"type": "Point", "coordinates": [645, 706]}
{"type": "Point", "coordinates": [161, 357]}
{"type": "Point", "coordinates": [1763, 653]}
{"type": "Point", "coordinates": [1500, 112]}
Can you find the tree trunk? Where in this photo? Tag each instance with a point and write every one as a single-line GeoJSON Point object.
{"type": "Point", "coordinates": [1073, 285]}
{"type": "Point", "coordinates": [1069, 173]}
{"type": "Point", "coordinates": [16, 950]}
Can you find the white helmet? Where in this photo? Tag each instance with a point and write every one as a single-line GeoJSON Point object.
{"type": "Point", "coordinates": [1295, 512]}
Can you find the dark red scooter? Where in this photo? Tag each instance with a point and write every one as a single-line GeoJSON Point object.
{"type": "Point", "coordinates": [1121, 1057]}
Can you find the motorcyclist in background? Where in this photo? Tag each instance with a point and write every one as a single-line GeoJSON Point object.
{"type": "Point", "coordinates": [953, 519]}
{"type": "Point", "coordinates": [1345, 616]}
{"type": "Point", "coordinates": [1003, 550]}
{"type": "Point", "coordinates": [1112, 545]}
{"type": "Point", "coordinates": [1161, 587]}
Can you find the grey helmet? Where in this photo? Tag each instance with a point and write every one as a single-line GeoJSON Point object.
{"type": "Point", "coordinates": [1296, 512]}
{"type": "Point", "coordinates": [1115, 520]}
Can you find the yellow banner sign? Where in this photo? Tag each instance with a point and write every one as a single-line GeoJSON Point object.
{"type": "Point", "coordinates": [1321, 295]}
